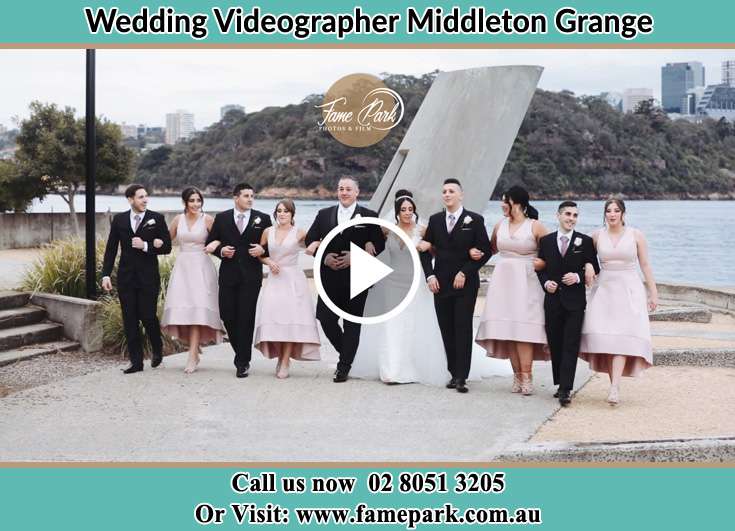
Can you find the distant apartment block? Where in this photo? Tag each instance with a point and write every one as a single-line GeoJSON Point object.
{"type": "Point", "coordinates": [179, 126]}
{"type": "Point", "coordinates": [633, 96]}
{"type": "Point", "coordinates": [728, 73]}
{"type": "Point", "coordinates": [676, 80]}
{"type": "Point", "coordinates": [231, 107]}
{"type": "Point", "coordinates": [3, 129]}
{"type": "Point", "coordinates": [129, 131]}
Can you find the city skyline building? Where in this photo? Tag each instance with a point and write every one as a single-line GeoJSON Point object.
{"type": "Point", "coordinates": [676, 80]}
{"type": "Point", "coordinates": [633, 96]}
{"type": "Point", "coordinates": [179, 126]}
{"type": "Point", "coordinates": [728, 73]}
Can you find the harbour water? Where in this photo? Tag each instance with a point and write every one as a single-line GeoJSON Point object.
{"type": "Point", "coordinates": [691, 242]}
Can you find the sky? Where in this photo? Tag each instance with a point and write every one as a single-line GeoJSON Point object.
{"type": "Point", "coordinates": [141, 86]}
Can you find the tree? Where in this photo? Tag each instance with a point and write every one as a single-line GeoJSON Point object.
{"type": "Point", "coordinates": [52, 153]}
{"type": "Point", "coordinates": [15, 192]}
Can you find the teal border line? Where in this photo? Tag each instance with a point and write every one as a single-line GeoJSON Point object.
{"type": "Point", "coordinates": [706, 22]}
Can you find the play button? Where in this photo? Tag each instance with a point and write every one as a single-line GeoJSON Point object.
{"type": "Point", "coordinates": [365, 270]}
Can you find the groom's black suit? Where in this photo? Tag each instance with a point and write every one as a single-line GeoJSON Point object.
{"type": "Point", "coordinates": [454, 308]}
{"type": "Point", "coordinates": [564, 308]}
{"type": "Point", "coordinates": [337, 283]}
{"type": "Point", "coordinates": [240, 279]}
{"type": "Point", "coordinates": [138, 279]}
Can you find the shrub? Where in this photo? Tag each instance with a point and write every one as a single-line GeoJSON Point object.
{"type": "Point", "coordinates": [61, 269]}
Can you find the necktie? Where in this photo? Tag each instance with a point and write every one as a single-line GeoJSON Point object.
{"type": "Point", "coordinates": [564, 245]}
{"type": "Point", "coordinates": [241, 222]}
{"type": "Point", "coordinates": [137, 222]}
{"type": "Point", "coordinates": [451, 223]}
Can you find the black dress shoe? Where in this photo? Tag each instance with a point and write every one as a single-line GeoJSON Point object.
{"type": "Point", "coordinates": [242, 372]}
{"type": "Point", "coordinates": [556, 394]}
{"type": "Point", "coordinates": [452, 384]}
{"type": "Point", "coordinates": [156, 360]}
{"type": "Point", "coordinates": [132, 369]}
{"type": "Point", "coordinates": [564, 398]}
{"type": "Point", "coordinates": [462, 387]}
{"type": "Point", "coordinates": [339, 376]}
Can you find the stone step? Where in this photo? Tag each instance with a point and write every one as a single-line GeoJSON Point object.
{"type": "Point", "coordinates": [25, 315]}
{"type": "Point", "coordinates": [13, 338]}
{"type": "Point", "coordinates": [689, 315]}
{"type": "Point", "coordinates": [13, 299]}
{"type": "Point", "coordinates": [24, 353]}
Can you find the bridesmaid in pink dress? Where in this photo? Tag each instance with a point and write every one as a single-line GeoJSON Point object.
{"type": "Point", "coordinates": [512, 322]}
{"type": "Point", "coordinates": [285, 326]}
{"type": "Point", "coordinates": [616, 335]}
{"type": "Point", "coordinates": [191, 310]}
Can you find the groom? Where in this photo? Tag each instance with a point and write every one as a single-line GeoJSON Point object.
{"type": "Point", "coordinates": [454, 277]}
{"type": "Point", "coordinates": [238, 232]}
{"type": "Point", "coordinates": [335, 271]}
{"type": "Point", "coordinates": [570, 260]}
{"type": "Point", "coordinates": [142, 235]}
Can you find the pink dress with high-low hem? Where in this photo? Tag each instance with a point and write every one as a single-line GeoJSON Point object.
{"type": "Point", "coordinates": [514, 304]}
{"type": "Point", "coordinates": [616, 320]}
{"type": "Point", "coordinates": [191, 298]}
{"type": "Point", "coordinates": [285, 308]}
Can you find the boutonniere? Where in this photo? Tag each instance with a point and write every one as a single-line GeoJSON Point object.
{"type": "Point", "coordinates": [256, 221]}
{"type": "Point", "coordinates": [467, 220]}
{"type": "Point", "coordinates": [357, 216]}
{"type": "Point", "coordinates": [151, 222]}
{"type": "Point", "coordinates": [577, 241]}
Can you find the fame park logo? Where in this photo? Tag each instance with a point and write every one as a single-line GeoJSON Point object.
{"type": "Point", "coordinates": [359, 110]}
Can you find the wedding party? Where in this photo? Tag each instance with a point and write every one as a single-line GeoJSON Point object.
{"type": "Point", "coordinates": [535, 308]}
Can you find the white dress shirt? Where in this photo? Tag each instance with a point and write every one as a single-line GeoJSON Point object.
{"type": "Point", "coordinates": [345, 214]}
{"type": "Point", "coordinates": [133, 213]}
{"type": "Point", "coordinates": [559, 234]}
{"type": "Point", "coordinates": [457, 215]}
{"type": "Point", "coordinates": [245, 220]}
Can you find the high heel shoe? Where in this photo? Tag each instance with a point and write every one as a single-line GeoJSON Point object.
{"type": "Point", "coordinates": [613, 398]}
{"type": "Point", "coordinates": [526, 383]}
{"type": "Point", "coordinates": [191, 367]}
{"type": "Point", "coordinates": [516, 387]}
{"type": "Point", "coordinates": [282, 371]}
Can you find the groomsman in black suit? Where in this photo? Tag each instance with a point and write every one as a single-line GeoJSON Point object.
{"type": "Point", "coordinates": [454, 277]}
{"type": "Point", "coordinates": [240, 274]}
{"type": "Point", "coordinates": [142, 235]}
{"type": "Point", "coordinates": [569, 256]}
{"type": "Point", "coordinates": [335, 271]}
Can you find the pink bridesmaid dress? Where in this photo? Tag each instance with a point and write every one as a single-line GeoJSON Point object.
{"type": "Point", "coordinates": [514, 304]}
{"type": "Point", "coordinates": [191, 298]}
{"type": "Point", "coordinates": [616, 320]}
{"type": "Point", "coordinates": [285, 308]}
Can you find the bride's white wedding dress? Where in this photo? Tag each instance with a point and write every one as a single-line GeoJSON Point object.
{"type": "Point", "coordinates": [408, 348]}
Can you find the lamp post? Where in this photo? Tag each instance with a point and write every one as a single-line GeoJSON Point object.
{"type": "Point", "coordinates": [91, 173]}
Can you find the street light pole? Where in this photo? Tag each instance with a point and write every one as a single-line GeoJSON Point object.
{"type": "Point", "coordinates": [91, 167]}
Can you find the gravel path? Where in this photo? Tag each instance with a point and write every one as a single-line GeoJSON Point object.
{"type": "Point", "coordinates": [42, 370]}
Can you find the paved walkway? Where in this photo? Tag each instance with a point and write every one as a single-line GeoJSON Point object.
{"type": "Point", "coordinates": [164, 414]}
{"type": "Point", "coordinates": [13, 264]}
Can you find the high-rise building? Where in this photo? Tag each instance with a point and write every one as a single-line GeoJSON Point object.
{"type": "Point", "coordinates": [3, 129]}
{"type": "Point", "coordinates": [179, 126]}
{"type": "Point", "coordinates": [676, 79]}
{"type": "Point", "coordinates": [633, 96]}
{"type": "Point", "coordinates": [691, 99]}
{"type": "Point", "coordinates": [728, 73]}
{"type": "Point", "coordinates": [230, 107]}
{"type": "Point", "coordinates": [129, 131]}
{"type": "Point", "coordinates": [718, 101]}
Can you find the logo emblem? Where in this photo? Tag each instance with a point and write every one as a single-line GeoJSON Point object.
{"type": "Point", "coordinates": [359, 110]}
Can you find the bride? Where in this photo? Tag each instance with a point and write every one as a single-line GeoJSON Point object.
{"type": "Point", "coordinates": [407, 348]}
